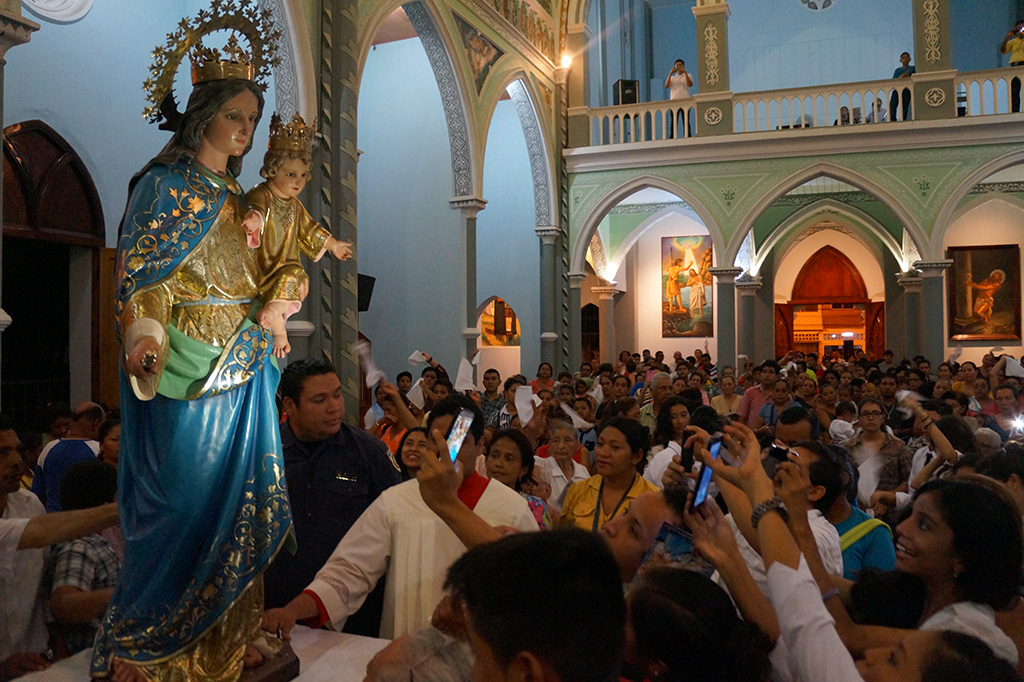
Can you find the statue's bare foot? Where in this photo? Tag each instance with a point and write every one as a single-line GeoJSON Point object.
{"type": "Point", "coordinates": [126, 672]}
{"type": "Point", "coordinates": [252, 658]}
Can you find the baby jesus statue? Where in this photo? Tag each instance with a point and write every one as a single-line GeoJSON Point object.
{"type": "Point", "coordinates": [279, 228]}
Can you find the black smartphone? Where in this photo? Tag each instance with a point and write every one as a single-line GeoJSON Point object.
{"type": "Point", "coordinates": [778, 453]}
{"type": "Point", "coordinates": [701, 493]}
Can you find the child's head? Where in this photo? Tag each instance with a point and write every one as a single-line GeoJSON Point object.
{"type": "Point", "coordinates": [286, 171]}
{"type": "Point", "coordinates": [846, 411]}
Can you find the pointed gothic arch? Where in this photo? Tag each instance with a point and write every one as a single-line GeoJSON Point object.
{"type": "Point", "coordinates": [581, 242]}
{"type": "Point", "coordinates": [831, 170]}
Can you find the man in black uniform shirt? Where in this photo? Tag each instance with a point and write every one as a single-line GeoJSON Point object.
{"type": "Point", "coordinates": [333, 473]}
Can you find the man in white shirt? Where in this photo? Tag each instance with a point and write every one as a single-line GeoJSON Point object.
{"type": "Point", "coordinates": [25, 529]}
{"type": "Point", "coordinates": [399, 535]}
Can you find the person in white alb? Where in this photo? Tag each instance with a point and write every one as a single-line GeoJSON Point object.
{"type": "Point", "coordinates": [398, 534]}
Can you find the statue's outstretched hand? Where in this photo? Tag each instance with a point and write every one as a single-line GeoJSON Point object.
{"type": "Point", "coordinates": [144, 358]}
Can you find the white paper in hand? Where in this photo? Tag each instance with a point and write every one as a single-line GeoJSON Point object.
{"type": "Point", "coordinates": [1013, 367]}
{"type": "Point", "coordinates": [464, 380]}
{"type": "Point", "coordinates": [597, 392]}
{"type": "Point", "coordinates": [416, 358]}
{"type": "Point", "coordinates": [476, 358]}
{"type": "Point", "coordinates": [578, 422]}
{"type": "Point", "coordinates": [524, 404]}
{"type": "Point", "coordinates": [870, 472]}
{"type": "Point", "coordinates": [906, 411]}
{"type": "Point", "coordinates": [373, 374]}
{"type": "Point", "coordinates": [957, 352]}
{"type": "Point", "coordinates": [415, 394]}
{"type": "Point", "coordinates": [996, 350]}
{"type": "Point", "coordinates": [369, 419]}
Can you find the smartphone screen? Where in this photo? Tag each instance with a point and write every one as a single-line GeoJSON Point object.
{"type": "Point", "coordinates": [701, 494]}
{"type": "Point", "coordinates": [457, 433]}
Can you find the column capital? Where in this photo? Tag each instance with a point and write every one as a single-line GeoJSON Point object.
{"type": "Point", "coordinates": [605, 293]}
{"type": "Point", "coordinates": [469, 205]}
{"type": "Point", "coordinates": [711, 7]}
{"type": "Point", "coordinates": [14, 28]}
{"type": "Point", "coordinates": [471, 333]}
{"type": "Point", "coordinates": [547, 233]}
{"type": "Point", "coordinates": [748, 287]}
{"type": "Point", "coordinates": [576, 279]}
{"type": "Point", "coordinates": [726, 275]}
{"type": "Point", "coordinates": [911, 281]}
{"type": "Point", "coordinates": [562, 74]}
{"type": "Point", "coordinates": [932, 268]}
{"type": "Point", "coordinates": [300, 328]}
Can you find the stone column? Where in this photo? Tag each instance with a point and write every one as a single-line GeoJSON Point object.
{"type": "Point", "coordinates": [606, 295]}
{"type": "Point", "coordinates": [548, 294]}
{"type": "Point", "coordinates": [725, 311]}
{"type": "Point", "coordinates": [912, 283]}
{"type": "Point", "coordinates": [470, 207]}
{"type": "Point", "coordinates": [933, 308]}
{"type": "Point", "coordinates": [934, 90]}
{"type": "Point", "coordinates": [713, 98]}
{"type": "Point", "coordinates": [745, 325]}
{"type": "Point", "coordinates": [575, 324]}
{"type": "Point", "coordinates": [572, 76]}
{"type": "Point", "coordinates": [14, 30]}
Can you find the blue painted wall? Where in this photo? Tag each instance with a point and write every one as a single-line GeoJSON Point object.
{"type": "Point", "coordinates": [781, 44]}
{"type": "Point", "coordinates": [508, 249]}
{"type": "Point", "coordinates": [409, 237]}
{"type": "Point", "coordinates": [85, 79]}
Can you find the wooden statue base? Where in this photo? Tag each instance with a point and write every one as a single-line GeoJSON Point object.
{"type": "Point", "coordinates": [281, 668]}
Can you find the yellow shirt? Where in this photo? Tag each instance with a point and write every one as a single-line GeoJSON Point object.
{"type": "Point", "coordinates": [581, 501]}
{"type": "Point", "coordinates": [1015, 46]}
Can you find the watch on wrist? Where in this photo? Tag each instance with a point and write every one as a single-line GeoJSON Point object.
{"type": "Point", "coordinates": [774, 504]}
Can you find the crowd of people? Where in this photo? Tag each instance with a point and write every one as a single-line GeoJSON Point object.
{"type": "Point", "coordinates": [863, 521]}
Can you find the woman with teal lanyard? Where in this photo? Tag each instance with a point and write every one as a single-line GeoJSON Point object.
{"type": "Point", "coordinates": [621, 445]}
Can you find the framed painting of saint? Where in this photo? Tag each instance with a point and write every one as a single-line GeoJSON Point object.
{"type": "Point", "coordinates": [686, 291]}
{"type": "Point", "coordinates": [984, 293]}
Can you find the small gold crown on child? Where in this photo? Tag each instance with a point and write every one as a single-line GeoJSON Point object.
{"type": "Point", "coordinates": [293, 136]}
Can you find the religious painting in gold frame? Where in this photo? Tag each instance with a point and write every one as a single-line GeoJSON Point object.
{"type": "Point", "coordinates": [984, 293]}
{"type": "Point", "coordinates": [686, 291]}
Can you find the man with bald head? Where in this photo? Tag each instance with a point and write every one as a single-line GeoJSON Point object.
{"type": "Point", "coordinates": [79, 445]}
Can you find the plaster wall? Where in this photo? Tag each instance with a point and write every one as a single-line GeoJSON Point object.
{"type": "Point", "coordinates": [854, 249]}
{"type": "Point", "coordinates": [992, 222]}
{"type": "Point", "coordinates": [645, 297]}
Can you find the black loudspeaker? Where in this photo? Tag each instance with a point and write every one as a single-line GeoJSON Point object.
{"type": "Point", "coordinates": [626, 92]}
{"type": "Point", "coordinates": [365, 292]}
{"type": "Point", "coordinates": [847, 347]}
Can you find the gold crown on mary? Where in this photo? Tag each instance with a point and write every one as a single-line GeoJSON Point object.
{"type": "Point", "coordinates": [230, 62]}
{"type": "Point", "coordinates": [294, 136]}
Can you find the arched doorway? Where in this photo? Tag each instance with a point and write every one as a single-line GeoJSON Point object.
{"type": "Point", "coordinates": [500, 338]}
{"type": "Point", "coordinates": [829, 310]}
{"type": "Point", "coordinates": [53, 277]}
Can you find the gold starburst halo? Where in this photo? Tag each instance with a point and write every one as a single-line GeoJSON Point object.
{"type": "Point", "coordinates": [293, 136]}
{"type": "Point", "coordinates": [238, 16]}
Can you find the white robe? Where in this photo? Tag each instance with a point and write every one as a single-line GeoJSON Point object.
{"type": "Point", "coordinates": [400, 535]}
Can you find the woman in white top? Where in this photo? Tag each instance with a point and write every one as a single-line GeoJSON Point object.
{"type": "Point", "coordinates": [954, 541]}
{"type": "Point", "coordinates": [670, 434]}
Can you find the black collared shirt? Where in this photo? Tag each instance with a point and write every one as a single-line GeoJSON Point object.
{"type": "Point", "coordinates": [330, 484]}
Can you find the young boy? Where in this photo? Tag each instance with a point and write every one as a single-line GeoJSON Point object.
{"type": "Point", "coordinates": [841, 429]}
{"type": "Point", "coordinates": [284, 228]}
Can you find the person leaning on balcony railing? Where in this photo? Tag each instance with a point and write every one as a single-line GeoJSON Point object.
{"type": "Point", "coordinates": [1013, 43]}
{"type": "Point", "coordinates": [905, 70]}
{"type": "Point", "coordinates": [678, 84]}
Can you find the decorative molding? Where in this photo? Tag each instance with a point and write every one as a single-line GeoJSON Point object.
{"type": "Point", "coordinates": [748, 285]}
{"type": "Point", "coordinates": [932, 31]}
{"type": "Point", "coordinates": [817, 5]}
{"type": "Point", "coordinates": [713, 116]}
{"type": "Point", "coordinates": [469, 205]}
{"type": "Point", "coordinates": [935, 97]}
{"type": "Point", "coordinates": [650, 208]}
{"type": "Point", "coordinates": [726, 275]}
{"type": "Point", "coordinates": [576, 279]}
{"type": "Point", "coordinates": [711, 66]}
{"type": "Point", "coordinates": [299, 328]}
{"type": "Point", "coordinates": [60, 11]}
{"type": "Point", "coordinates": [990, 187]}
{"type": "Point", "coordinates": [929, 269]}
{"type": "Point", "coordinates": [5, 320]}
{"type": "Point", "coordinates": [497, 21]}
{"type": "Point", "coordinates": [805, 199]}
{"type": "Point", "coordinates": [285, 81]}
{"type": "Point", "coordinates": [548, 234]}
{"type": "Point", "coordinates": [745, 256]}
{"type": "Point", "coordinates": [910, 281]}
{"type": "Point", "coordinates": [451, 97]}
{"type": "Point", "coordinates": [605, 293]}
{"type": "Point", "coordinates": [535, 149]}
{"type": "Point", "coordinates": [597, 255]}
{"type": "Point", "coordinates": [14, 30]}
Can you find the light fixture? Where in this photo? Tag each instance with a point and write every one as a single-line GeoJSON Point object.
{"type": "Point", "coordinates": [566, 61]}
{"type": "Point", "coordinates": [847, 335]}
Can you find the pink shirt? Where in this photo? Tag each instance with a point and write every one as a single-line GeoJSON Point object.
{"type": "Point", "coordinates": [753, 399]}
